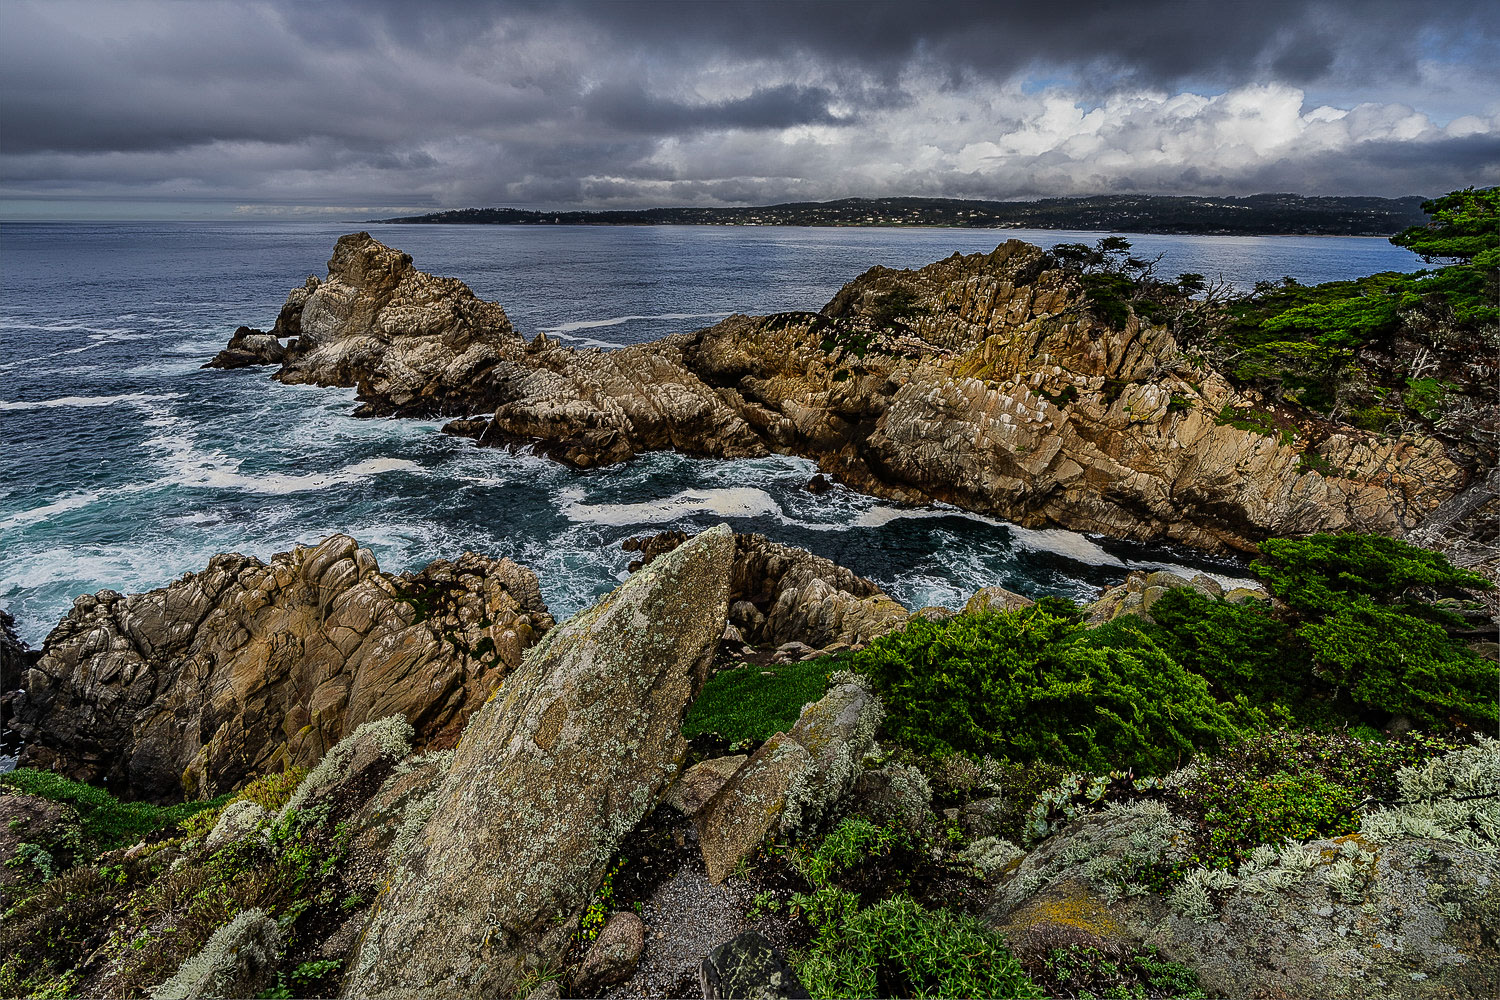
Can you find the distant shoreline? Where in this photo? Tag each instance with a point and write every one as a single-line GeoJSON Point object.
{"type": "Point", "coordinates": [1256, 215]}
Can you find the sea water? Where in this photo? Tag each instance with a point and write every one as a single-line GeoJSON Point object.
{"type": "Point", "coordinates": [124, 464]}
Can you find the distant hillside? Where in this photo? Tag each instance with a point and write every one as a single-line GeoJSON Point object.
{"type": "Point", "coordinates": [1261, 213]}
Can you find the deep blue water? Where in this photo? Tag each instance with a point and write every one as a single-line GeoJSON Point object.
{"type": "Point", "coordinates": [123, 464]}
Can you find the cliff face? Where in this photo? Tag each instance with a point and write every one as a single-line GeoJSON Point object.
{"type": "Point", "coordinates": [979, 380]}
{"type": "Point", "coordinates": [248, 667]}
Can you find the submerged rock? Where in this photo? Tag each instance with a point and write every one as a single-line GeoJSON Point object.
{"type": "Point", "coordinates": [983, 380]}
{"type": "Point", "coordinates": [247, 667]}
{"type": "Point", "coordinates": [551, 775]}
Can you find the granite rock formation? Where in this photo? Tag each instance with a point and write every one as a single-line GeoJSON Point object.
{"type": "Point", "coordinates": [247, 667]}
{"type": "Point", "coordinates": [550, 777]}
{"type": "Point", "coordinates": [981, 380]}
{"type": "Point", "coordinates": [780, 594]}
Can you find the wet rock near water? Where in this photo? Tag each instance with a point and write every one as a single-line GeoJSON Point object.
{"type": "Point", "coordinates": [992, 387]}
{"type": "Point", "coordinates": [248, 667]}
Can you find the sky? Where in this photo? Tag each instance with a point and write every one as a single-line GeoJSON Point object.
{"type": "Point", "coordinates": [342, 110]}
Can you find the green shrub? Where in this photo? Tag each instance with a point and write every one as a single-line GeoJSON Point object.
{"type": "Point", "coordinates": [899, 948]}
{"type": "Point", "coordinates": [1089, 970]}
{"type": "Point", "coordinates": [107, 822]}
{"type": "Point", "coordinates": [1320, 573]}
{"type": "Point", "coordinates": [1241, 648]}
{"type": "Point", "coordinates": [751, 704]}
{"type": "Point", "coordinates": [1280, 785]}
{"type": "Point", "coordinates": [1365, 618]}
{"type": "Point", "coordinates": [1027, 686]}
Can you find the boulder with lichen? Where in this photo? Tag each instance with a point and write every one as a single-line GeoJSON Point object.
{"type": "Point", "coordinates": [551, 775]}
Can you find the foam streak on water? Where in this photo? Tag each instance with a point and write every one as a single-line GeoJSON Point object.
{"type": "Point", "coordinates": [124, 464]}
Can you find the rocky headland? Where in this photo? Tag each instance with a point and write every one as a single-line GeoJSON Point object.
{"type": "Point", "coordinates": [984, 381]}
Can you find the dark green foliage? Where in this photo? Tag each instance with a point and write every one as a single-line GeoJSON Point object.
{"type": "Point", "coordinates": [1242, 649]}
{"type": "Point", "coordinates": [899, 948]}
{"type": "Point", "coordinates": [1321, 573]}
{"type": "Point", "coordinates": [107, 822]}
{"type": "Point", "coordinates": [1089, 970]}
{"type": "Point", "coordinates": [896, 947]}
{"type": "Point", "coordinates": [1247, 420]}
{"type": "Point", "coordinates": [1364, 614]}
{"type": "Point", "coordinates": [1464, 225]}
{"type": "Point", "coordinates": [892, 309]}
{"type": "Point", "coordinates": [751, 704]}
{"type": "Point", "coordinates": [1280, 785]}
{"type": "Point", "coordinates": [1026, 686]}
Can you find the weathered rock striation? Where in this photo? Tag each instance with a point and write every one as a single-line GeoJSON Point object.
{"type": "Point", "coordinates": [246, 667]}
{"type": "Point", "coordinates": [552, 774]}
{"type": "Point", "coordinates": [981, 380]}
{"type": "Point", "coordinates": [780, 593]}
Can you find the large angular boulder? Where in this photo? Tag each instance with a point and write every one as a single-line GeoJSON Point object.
{"type": "Point", "coordinates": [558, 767]}
{"type": "Point", "coordinates": [1409, 907]}
{"type": "Point", "coordinates": [249, 667]}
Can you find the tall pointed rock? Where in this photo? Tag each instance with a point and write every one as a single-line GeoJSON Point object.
{"type": "Point", "coordinates": [551, 775]}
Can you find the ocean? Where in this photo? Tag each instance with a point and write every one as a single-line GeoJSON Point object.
{"type": "Point", "coordinates": [124, 464]}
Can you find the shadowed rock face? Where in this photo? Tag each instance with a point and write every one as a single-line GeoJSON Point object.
{"type": "Point", "coordinates": [246, 666]}
{"type": "Point", "coordinates": [551, 775]}
{"type": "Point", "coordinates": [979, 380]}
{"type": "Point", "coordinates": [780, 593]}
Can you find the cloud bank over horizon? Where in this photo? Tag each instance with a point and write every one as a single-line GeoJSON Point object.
{"type": "Point", "coordinates": [283, 109]}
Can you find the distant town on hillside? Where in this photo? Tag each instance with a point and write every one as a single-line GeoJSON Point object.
{"type": "Point", "coordinates": [1256, 214]}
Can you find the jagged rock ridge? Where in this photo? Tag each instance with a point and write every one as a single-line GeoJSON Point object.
{"type": "Point", "coordinates": [249, 667]}
{"type": "Point", "coordinates": [980, 380]}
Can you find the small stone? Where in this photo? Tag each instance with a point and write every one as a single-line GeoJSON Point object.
{"type": "Point", "coordinates": [614, 953]}
{"type": "Point", "coordinates": [748, 966]}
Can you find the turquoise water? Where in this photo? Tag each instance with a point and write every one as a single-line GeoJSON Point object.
{"type": "Point", "coordinates": [123, 464]}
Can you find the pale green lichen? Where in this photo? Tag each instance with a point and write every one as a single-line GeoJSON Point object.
{"type": "Point", "coordinates": [239, 954]}
{"type": "Point", "coordinates": [992, 855]}
{"type": "Point", "coordinates": [1455, 797]}
{"type": "Point", "coordinates": [392, 737]}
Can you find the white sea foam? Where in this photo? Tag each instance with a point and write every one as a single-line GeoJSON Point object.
{"type": "Point", "coordinates": [1065, 543]}
{"type": "Point", "coordinates": [743, 501]}
{"type": "Point", "coordinates": [595, 324]}
{"type": "Point", "coordinates": [128, 397]}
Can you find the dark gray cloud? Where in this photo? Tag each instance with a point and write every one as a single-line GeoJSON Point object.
{"type": "Point", "coordinates": [395, 105]}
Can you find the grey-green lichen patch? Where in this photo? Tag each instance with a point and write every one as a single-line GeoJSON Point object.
{"type": "Point", "coordinates": [389, 738]}
{"type": "Point", "coordinates": [551, 775]}
{"type": "Point", "coordinates": [237, 961]}
{"type": "Point", "coordinates": [1455, 797]}
{"type": "Point", "coordinates": [1346, 918]}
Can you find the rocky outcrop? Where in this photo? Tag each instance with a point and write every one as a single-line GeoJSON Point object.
{"type": "Point", "coordinates": [781, 594]}
{"type": "Point", "coordinates": [1142, 590]}
{"type": "Point", "coordinates": [1409, 906]}
{"type": "Point", "coordinates": [246, 667]}
{"type": "Point", "coordinates": [13, 654]}
{"type": "Point", "coordinates": [551, 775]}
{"type": "Point", "coordinates": [248, 348]}
{"type": "Point", "coordinates": [795, 783]}
{"type": "Point", "coordinates": [983, 380]}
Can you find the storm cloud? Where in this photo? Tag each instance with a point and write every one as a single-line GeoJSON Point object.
{"type": "Point", "coordinates": [351, 108]}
